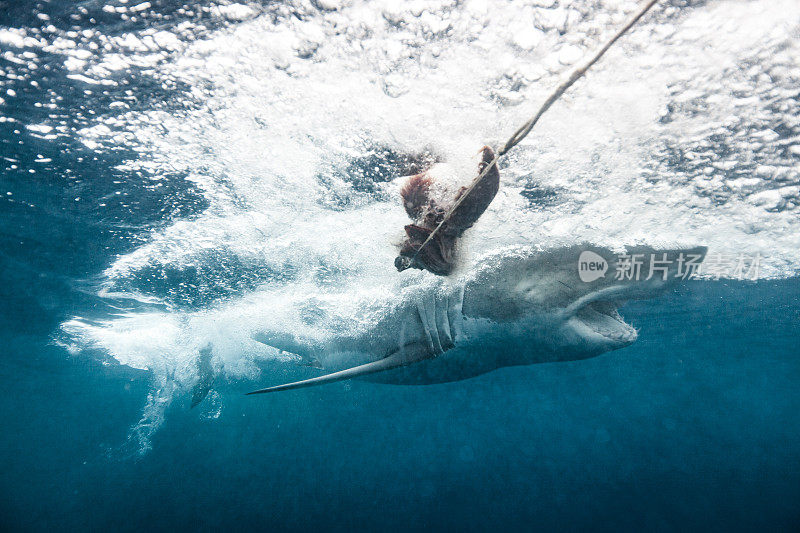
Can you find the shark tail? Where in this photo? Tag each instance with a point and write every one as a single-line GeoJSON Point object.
{"type": "Point", "coordinates": [205, 378]}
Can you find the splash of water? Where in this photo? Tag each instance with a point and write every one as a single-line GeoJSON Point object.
{"type": "Point", "coordinates": [284, 119]}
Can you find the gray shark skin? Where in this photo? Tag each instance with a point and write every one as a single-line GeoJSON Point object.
{"type": "Point", "coordinates": [519, 307]}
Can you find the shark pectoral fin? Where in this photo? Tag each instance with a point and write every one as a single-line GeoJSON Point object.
{"type": "Point", "coordinates": [406, 356]}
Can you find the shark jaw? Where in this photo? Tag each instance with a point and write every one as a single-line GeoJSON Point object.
{"type": "Point", "coordinates": [601, 321]}
{"type": "Point", "coordinates": [595, 319]}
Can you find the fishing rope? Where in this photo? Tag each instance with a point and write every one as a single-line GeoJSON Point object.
{"type": "Point", "coordinates": [523, 131]}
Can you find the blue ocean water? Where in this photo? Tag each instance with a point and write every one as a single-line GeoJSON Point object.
{"type": "Point", "coordinates": [167, 217]}
{"type": "Point", "coordinates": [694, 427]}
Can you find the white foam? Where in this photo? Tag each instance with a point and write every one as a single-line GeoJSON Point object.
{"type": "Point", "coordinates": [279, 101]}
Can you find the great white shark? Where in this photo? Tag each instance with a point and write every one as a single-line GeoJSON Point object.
{"type": "Point", "coordinates": [519, 307]}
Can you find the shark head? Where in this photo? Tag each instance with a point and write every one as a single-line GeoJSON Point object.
{"type": "Point", "coordinates": [564, 302]}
